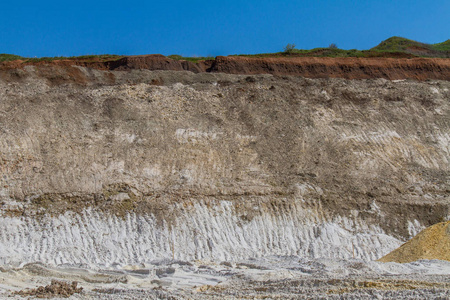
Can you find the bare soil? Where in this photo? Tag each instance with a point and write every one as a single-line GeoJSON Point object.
{"type": "Point", "coordinates": [311, 67]}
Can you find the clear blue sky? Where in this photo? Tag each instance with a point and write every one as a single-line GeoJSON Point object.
{"type": "Point", "coordinates": [199, 28]}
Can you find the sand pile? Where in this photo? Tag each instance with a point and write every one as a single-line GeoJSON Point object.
{"type": "Point", "coordinates": [431, 243]}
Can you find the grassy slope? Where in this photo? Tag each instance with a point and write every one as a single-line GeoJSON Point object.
{"type": "Point", "coordinates": [396, 43]}
{"type": "Point", "coordinates": [400, 44]}
{"type": "Point", "coordinates": [444, 46]}
{"type": "Point", "coordinates": [9, 57]}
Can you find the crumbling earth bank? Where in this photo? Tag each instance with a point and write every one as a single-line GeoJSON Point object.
{"type": "Point", "coordinates": [311, 67]}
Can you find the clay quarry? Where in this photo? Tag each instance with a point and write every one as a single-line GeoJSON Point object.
{"type": "Point", "coordinates": [229, 178]}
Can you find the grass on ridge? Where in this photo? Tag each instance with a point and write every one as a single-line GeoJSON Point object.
{"type": "Point", "coordinates": [317, 52]}
{"type": "Point", "coordinates": [87, 58]}
{"type": "Point", "coordinates": [444, 46]}
{"type": "Point", "coordinates": [401, 44]}
{"type": "Point", "coordinates": [395, 46]}
{"type": "Point", "coordinates": [392, 47]}
{"type": "Point", "coordinates": [191, 59]}
{"type": "Point", "coordinates": [9, 57]}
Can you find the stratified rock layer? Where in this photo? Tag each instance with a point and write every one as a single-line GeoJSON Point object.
{"type": "Point", "coordinates": [311, 67]}
{"type": "Point", "coordinates": [104, 167]}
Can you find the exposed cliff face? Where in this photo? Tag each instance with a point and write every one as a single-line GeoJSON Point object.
{"type": "Point", "coordinates": [327, 67]}
{"type": "Point", "coordinates": [158, 164]}
{"type": "Point", "coordinates": [311, 67]}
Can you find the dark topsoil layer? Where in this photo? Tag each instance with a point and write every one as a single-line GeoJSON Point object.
{"type": "Point", "coordinates": [312, 67]}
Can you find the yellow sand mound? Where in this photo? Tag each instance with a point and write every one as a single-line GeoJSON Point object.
{"type": "Point", "coordinates": [431, 243]}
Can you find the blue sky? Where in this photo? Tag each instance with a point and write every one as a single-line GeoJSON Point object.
{"type": "Point", "coordinates": [200, 28]}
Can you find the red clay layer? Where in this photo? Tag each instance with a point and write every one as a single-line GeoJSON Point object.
{"type": "Point", "coordinates": [350, 68]}
{"type": "Point", "coordinates": [312, 67]}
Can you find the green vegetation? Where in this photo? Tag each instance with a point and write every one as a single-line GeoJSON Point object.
{"type": "Point", "coordinates": [392, 47]}
{"type": "Point", "coordinates": [192, 59]}
{"type": "Point", "coordinates": [316, 52]}
{"type": "Point", "coordinates": [102, 56]}
{"type": "Point", "coordinates": [9, 57]}
{"type": "Point", "coordinates": [331, 52]}
{"type": "Point", "coordinates": [400, 44]}
{"type": "Point", "coordinates": [87, 58]}
{"type": "Point", "coordinates": [444, 46]}
{"type": "Point", "coordinates": [396, 43]}
{"type": "Point", "coordinates": [333, 46]}
{"type": "Point", "coordinates": [38, 59]}
{"type": "Point", "coordinates": [289, 48]}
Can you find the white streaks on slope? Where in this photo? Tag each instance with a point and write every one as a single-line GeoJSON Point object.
{"type": "Point", "coordinates": [204, 232]}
